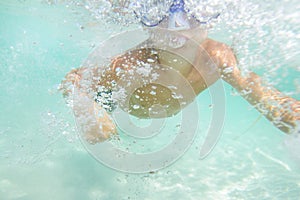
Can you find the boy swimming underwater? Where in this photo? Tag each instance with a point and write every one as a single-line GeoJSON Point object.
{"type": "Point", "coordinates": [169, 74]}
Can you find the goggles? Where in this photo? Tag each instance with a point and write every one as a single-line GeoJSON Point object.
{"type": "Point", "coordinates": [153, 13]}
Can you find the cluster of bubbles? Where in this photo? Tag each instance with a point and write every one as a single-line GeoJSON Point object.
{"type": "Point", "coordinates": [265, 36]}
{"type": "Point", "coordinates": [205, 10]}
{"type": "Point", "coordinates": [126, 12]}
{"type": "Point", "coordinates": [116, 12]}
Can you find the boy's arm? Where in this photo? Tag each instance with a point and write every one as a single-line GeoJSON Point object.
{"type": "Point", "coordinates": [94, 121]}
{"type": "Point", "coordinates": [283, 111]}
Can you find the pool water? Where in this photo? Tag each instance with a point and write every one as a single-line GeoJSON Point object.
{"type": "Point", "coordinates": [42, 157]}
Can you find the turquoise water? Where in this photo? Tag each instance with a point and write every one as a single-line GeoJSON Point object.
{"type": "Point", "coordinates": [41, 156]}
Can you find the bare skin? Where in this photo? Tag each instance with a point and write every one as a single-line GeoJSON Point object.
{"type": "Point", "coordinates": [197, 68]}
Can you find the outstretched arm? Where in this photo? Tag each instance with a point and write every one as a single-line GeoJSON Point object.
{"type": "Point", "coordinates": [283, 111]}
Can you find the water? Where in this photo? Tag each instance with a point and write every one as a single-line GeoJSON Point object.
{"type": "Point", "coordinates": [41, 156]}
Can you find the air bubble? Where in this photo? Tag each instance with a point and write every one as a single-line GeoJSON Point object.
{"type": "Point", "coordinates": [153, 92]}
{"type": "Point", "coordinates": [150, 60]}
{"type": "Point", "coordinates": [135, 107]}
